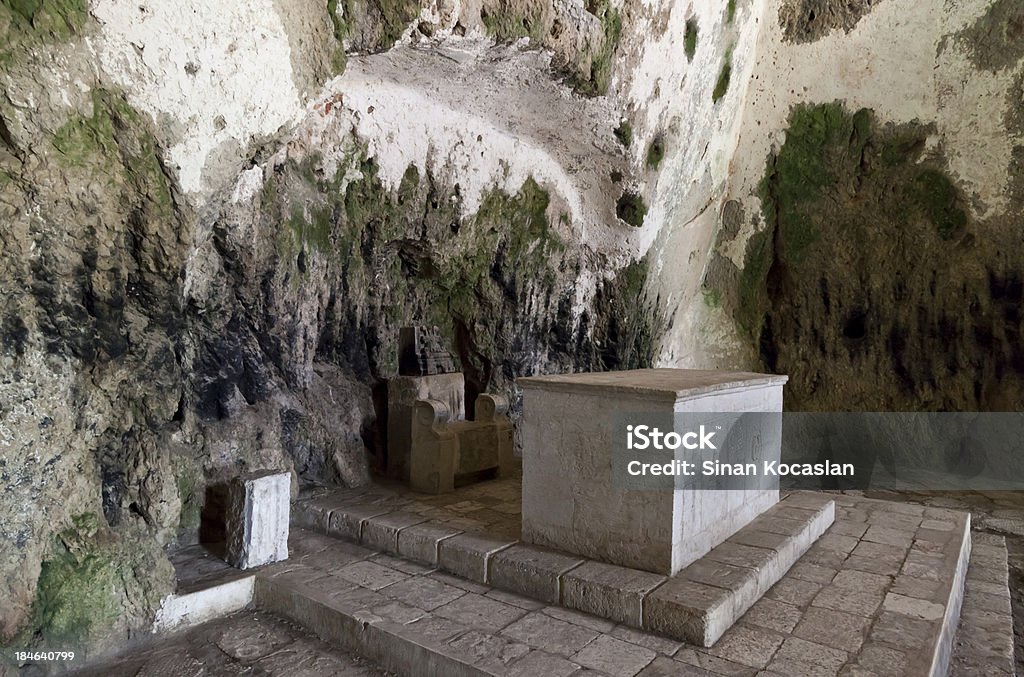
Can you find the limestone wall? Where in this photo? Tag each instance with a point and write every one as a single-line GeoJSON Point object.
{"type": "Point", "coordinates": [868, 242]}
{"type": "Point", "coordinates": [216, 217]}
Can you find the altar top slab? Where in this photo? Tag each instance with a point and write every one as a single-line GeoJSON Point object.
{"type": "Point", "coordinates": [661, 384]}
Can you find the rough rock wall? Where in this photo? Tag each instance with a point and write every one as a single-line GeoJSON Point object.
{"type": "Point", "coordinates": [870, 243]}
{"type": "Point", "coordinates": [216, 218]}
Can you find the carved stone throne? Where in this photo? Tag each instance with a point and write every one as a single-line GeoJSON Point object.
{"type": "Point", "coordinates": [431, 445]}
{"type": "Point", "coordinates": [445, 452]}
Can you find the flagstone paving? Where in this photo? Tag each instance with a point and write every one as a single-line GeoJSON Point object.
{"type": "Point", "coordinates": [244, 643]}
{"type": "Point", "coordinates": [867, 598]}
{"type": "Point", "coordinates": [862, 601]}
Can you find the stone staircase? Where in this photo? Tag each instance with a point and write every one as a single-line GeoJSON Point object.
{"type": "Point", "coordinates": [697, 605]}
{"type": "Point", "coordinates": [403, 582]}
{"type": "Point", "coordinates": [879, 593]}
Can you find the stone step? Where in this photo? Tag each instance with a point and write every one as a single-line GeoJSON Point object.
{"type": "Point", "coordinates": [984, 640]}
{"type": "Point", "coordinates": [704, 600]}
{"type": "Point", "coordinates": [879, 593]}
{"type": "Point", "coordinates": [342, 617]}
{"type": "Point", "coordinates": [697, 605]}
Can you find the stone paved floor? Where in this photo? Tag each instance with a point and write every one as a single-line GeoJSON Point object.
{"type": "Point", "coordinates": [827, 616]}
{"type": "Point", "coordinates": [245, 643]}
{"type": "Point", "coordinates": [860, 602]}
{"type": "Point", "coordinates": [492, 507]}
{"type": "Point", "coordinates": [201, 566]}
{"type": "Point", "coordinates": [997, 513]}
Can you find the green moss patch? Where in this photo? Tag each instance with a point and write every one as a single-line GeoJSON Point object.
{"type": "Point", "coordinates": [116, 140]}
{"type": "Point", "coordinates": [690, 39]}
{"type": "Point", "coordinates": [712, 297]}
{"type": "Point", "coordinates": [338, 56]}
{"type": "Point", "coordinates": [936, 196]}
{"type": "Point", "coordinates": [508, 23]}
{"type": "Point", "coordinates": [370, 25]}
{"type": "Point", "coordinates": [30, 21]}
{"type": "Point", "coordinates": [867, 244]}
{"type": "Point", "coordinates": [803, 167]}
{"type": "Point", "coordinates": [499, 283]}
{"type": "Point", "coordinates": [631, 208]}
{"type": "Point", "coordinates": [78, 595]}
{"type": "Point", "coordinates": [624, 133]}
{"type": "Point", "coordinates": [656, 152]}
{"type": "Point", "coordinates": [724, 76]}
{"type": "Point", "coordinates": [601, 58]}
{"type": "Point", "coordinates": [752, 296]}
{"type": "Point", "coordinates": [82, 139]}
{"type": "Point", "coordinates": [191, 493]}
{"type": "Point", "coordinates": [627, 321]}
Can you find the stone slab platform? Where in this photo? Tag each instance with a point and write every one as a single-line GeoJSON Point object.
{"type": "Point", "coordinates": [697, 605]}
{"type": "Point", "coordinates": [827, 616]}
{"type": "Point", "coordinates": [836, 595]}
{"type": "Point", "coordinates": [866, 599]}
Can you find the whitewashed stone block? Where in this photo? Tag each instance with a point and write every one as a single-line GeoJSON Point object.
{"type": "Point", "coordinates": [570, 501]}
{"type": "Point", "coordinates": [257, 519]}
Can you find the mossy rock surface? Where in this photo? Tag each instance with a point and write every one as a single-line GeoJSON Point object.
{"type": "Point", "coordinates": [624, 133]}
{"type": "Point", "coordinates": [498, 283]}
{"type": "Point", "coordinates": [724, 77]}
{"type": "Point", "coordinates": [601, 56]}
{"type": "Point", "coordinates": [656, 151]}
{"type": "Point", "coordinates": [810, 20]}
{"type": "Point", "coordinates": [85, 585]}
{"type": "Point", "coordinates": [27, 22]}
{"type": "Point", "coordinates": [995, 41]}
{"type": "Point", "coordinates": [631, 208]}
{"type": "Point", "coordinates": [856, 286]}
{"type": "Point", "coordinates": [690, 39]}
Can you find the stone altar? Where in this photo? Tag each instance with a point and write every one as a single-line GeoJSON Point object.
{"type": "Point", "coordinates": [570, 501]}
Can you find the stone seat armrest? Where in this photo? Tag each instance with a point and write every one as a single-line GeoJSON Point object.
{"type": "Point", "coordinates": [443, 450]}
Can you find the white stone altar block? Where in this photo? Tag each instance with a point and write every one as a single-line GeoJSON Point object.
{"type": "Point", "coordinates": [257, 519]}
{"type": "Point", "coordinates": [570, 501]}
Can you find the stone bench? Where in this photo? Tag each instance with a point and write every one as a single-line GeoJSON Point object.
{"type": "Point", "coordinates": [443, 451]}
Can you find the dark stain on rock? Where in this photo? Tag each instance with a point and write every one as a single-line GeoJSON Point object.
{"type": "Point", "coordinates": [811, 20]}
{"type": "Point", "coordinates": [996, 40]}
{"type": "Point", "coordinates": [870, 285]}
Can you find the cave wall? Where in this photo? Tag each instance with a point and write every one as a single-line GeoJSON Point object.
{"type": "Point", "coordinates": [869, 242]}
{"type": "Point", "coordinates": [216, 217]}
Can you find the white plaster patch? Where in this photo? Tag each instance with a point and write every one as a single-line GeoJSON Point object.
{"type": "Point", "coordinates": [208, 73]}
{"type": "Point", "coordinates": [482, 118]}
{"type": "Point", "coordinates": [249, 183]}
{"type": "Point", "coordinates": [178, 611]}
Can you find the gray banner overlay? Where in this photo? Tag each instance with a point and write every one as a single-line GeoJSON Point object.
{"type": "Point", "coordinates": [881, 451]}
